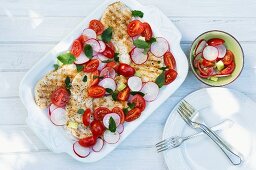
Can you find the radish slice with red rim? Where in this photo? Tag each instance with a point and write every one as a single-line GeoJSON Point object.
{"type": "Point", "coordinates": [135, 83]}
{"type": "Point", "coordinates": [111, 137]}
{"type": "Point", "coordinates": [151, 90]}
{"type": "Point", "coordinates": [98, 146]}
{"type": "Point", "coordinates": [89, 33]}
{"type": "Point", "coordinates": [210, 53]}
{"type": "Point", "coordinates": [120, 128]}
{"type": "Point", "coordinates": [81, 59]}
{"type": "Point", "coordinates": [81, 151]}
{"type": "Point", "coordinates": [138, 56]}
{"type": "Point", "coordinates": [94, 43]}
{"type": "Point", "coordinates": [101, 64]}
{"type": "Point", "coordinates": [108, 83]}
{"type": "Point", "coordinates": [200, 46]}
{"type": "Point", "coordinates": [222, 51]}
{"type": "Point", "coordinates": [102, 57]}
{"type": "Point", "coordinates": [102, 46]}
{"type": "Point", "coordinates": [160, 47]}
{"type": "Point", "coordinates": [52, 107]}
{"type": "Point", "coordinates": [197, 59]}
{"type": "Point", "coordinates": [108, 72]}
{"type": "Point", "coordinates": [58, 116]}
{"type": "Point", "coordinates": [106, 118]}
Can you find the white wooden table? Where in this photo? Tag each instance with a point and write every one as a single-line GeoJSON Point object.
{"type": "Point", "coordinates": [29, 28]}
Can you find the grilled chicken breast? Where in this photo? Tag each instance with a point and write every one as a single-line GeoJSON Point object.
{"type": "Point", "coordinates": [118, 16]}
{"type": "Point", "coordinates": [51, 82]}
{"type": "Point", "coordinates": [108, 102]}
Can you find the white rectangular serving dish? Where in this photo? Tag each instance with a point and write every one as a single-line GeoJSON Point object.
{"type": "Point", "coordinates": [56, 138]}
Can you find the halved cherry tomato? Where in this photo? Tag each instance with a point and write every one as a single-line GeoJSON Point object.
{"type": "Point", "coordinates": [91, 66]}
{"type": "Point", "coordinates": [133, 114]}
{"type": "Point", "coordinates": [229, 69]}
{"type": "Point", "coordinates": [215, 41]}
{"type": "Point", "coordinates": [60, 97]}
{"type": "Point", "coordinates": [87, 117]}
{"type": "Point", "coordinates": [126, 70]}
{"type": "Point", "coordinates": [108, 52]}
{"type": "Point", "coordinates": [147, 33]}
{"type": "Point", "coordinates": [135, 28]}
{"type": "Point", "coordinates": [88, 141]}
{"type": "Point", "coordinates": [111, 45]}
{"type": "Point", "coordinates": [205, 71]}
{"type": "Point", "coordinates": [207, 63]}
{"type": "Point", "coordinates": [124, 94]}
{"type": "Point", "coordinates": [94, 79]}
{"type": "Point", "coordinates": [82, 39]}
{"type": "Point", "coordinates": [170, 76]}
{"type": "Point", "coordinates": [97, 128]}
{"type": "Point", "coordinates": [228, 58]}
{"type": "Point", "coordinates": [96, 91]}
{"type": "Point", "coordinates": [169, 60]}
{"type": "Point", "coordinates": [113, 64]}
{"type": "Point", "coordinates": [120, 112]}
{"type": "Point", "coordinates": [97, 26]}
{"type": "Point", "coordinates": [100, 112]}
{"type": "Point", "coordinates": [139, 102]}
{"type": "Point", "coordinates": [76, 48]}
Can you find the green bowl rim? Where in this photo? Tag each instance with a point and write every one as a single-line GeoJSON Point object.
{"type": "Point", "coordinates": [190, 62]}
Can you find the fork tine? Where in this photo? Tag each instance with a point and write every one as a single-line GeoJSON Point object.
{"type": "Point", "coordinates": [163, 148]}
{"type": "Point", "coordinates": [181, 112]}
{"type": "Point", "coordinates": [162, 142]}
{"type": "Point", "coordinates": [188, 111]}
{"type": "Point", "coordinates": [189, 106]}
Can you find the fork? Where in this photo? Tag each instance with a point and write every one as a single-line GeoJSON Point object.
{"type": "Point", "coordinates": [190, 115]}
{"type": "Point", "coordinates": [175, 141]}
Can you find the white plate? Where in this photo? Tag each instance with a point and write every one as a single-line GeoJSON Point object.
{"type": "Point", "coordinates": [214, 105]}
{"type": "Point", "coordinates": [56, 138]}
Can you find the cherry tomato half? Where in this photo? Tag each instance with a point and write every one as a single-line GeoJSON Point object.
{"type": "Point", "coordinates": [229, 69]}
{"type": "Point", "coordinates": [147, 33]}
{"type": "Point", "coordinates": [94, 78]}
{"type": "Point", "coordinates": [82, 39]}
{"type": "Point", "coordinates": [215, 41]}
{"type": "Point", "coordinates": [108, 52]}
{"type": "Point", "coordinates": [96, 91]}
{"type": "Point", "coordinates": [120, 112]}
{"type": "Point", "coordinates": [207, 63]}
{"type": "Point", "coordinates": [124, 94]}
{"type": "Point", "coordinates": [135, 28]}
{"type": "Point", "coordinates": [88, 141]}
{"type": "Point", "coordinates": [100, 112]}
{"type": "Point", "coordinates": [97, 128]}
{"type": "Point", "coordinates": [91, 66]}
{"type": "Point", "coordinates": [97, 26]}
{"type": "Point", "coordinates": [113, 65]}
{"type": "Point", "coordinates": [133, 114]}
{"type": "Point", "coordinates": [205, 71]}
{"type": "Point", "coordinates": [60, 97]}
{"type": "Point", "coordinates": [139, 102]}
{"type": "Point", "coordinates": [111, 45]}
{"type": "Point", "coordinates": [169, 60]}
{"type": "Point", "coordinates": [126, 70]}
{"type": "Point", "coordinates": [170, 76]}
{"type": "Point", "coordinates": [76, 48]}
{"type": "Point", "coordinates": [228, 58]}
{"type": "Point", "coordinates": [87, 117]}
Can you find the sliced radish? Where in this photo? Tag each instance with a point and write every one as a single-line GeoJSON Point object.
{"type": "Point", "coordinates": [138, 56]}
{"type": "Point", "coordinates": [110, 137]}
{"type": "Point", "coordinates": [125, 58]}
{"type": "Point", "coordinates": [89, 33]}
{"type": "Point", "coordinates": [108, 83]}
{"type": "Point", "coordinates": [107, 117]}
{"type": "Point", "coordinates": [222, 50]}
{"type": "Point", "coordinates": [102, 46]}
{"type": "Point", "coordinates": [81, 151]}
{"type": "Point", "coordinates": [98, 146]}
{"type": "Point", "coordinates": [58, 117]}
{"type": "Point", "coordinates": [108, 72]}
{"type": "Point", "coordinates": [197, 59]}
{"type": "Point", "coordinates": [81, 59]}
{"type": "Point", "coordinates": [102, 57]}
{"type": "Point", "coordinates": [94, 43]}
{"type": "Point", "coordinates": [200, 46]}
{"type": "Point", "coordinates": [151, 90]}
{"type": "Point", "coordinates": [52, 107]}
{"type": "Point", "coordinates": [120, 128]}
{"type": "Point", "coordinates": [210, 53]}
{"type": "Point", "coordinates": [160, 47]}
{"type": "Point", "coordinates": [135, 83]}
{"type": "Point", "coordinates": [101, 64]}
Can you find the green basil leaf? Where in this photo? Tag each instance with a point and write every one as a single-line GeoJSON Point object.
{"type": "Point", "coordinates": [56, 66]}
{"type": "Point", "coordinates": [160, 80]}
{"type": "Point", "coordinates": [107, 61]}
{"type": "Point", "coordinates": [68, 83]}
{"type": "Point", "coordinates": [79, 68]}
{"type": "Point", "coordinates": [140, 44]}
{"type": "Point", "coordinates": [131, 105]}
{"type": "Point", "coordinates": [137, 13]}
{"type": "Point", "coordinates": [88, 51]}
{"type": "Point", "coordinates": [125, 110]}
{"type": "Point", "coordinates": [85, 78]}
{"type": "Point", "coordinates": [116, 58]}
{"type": "Point", "coordinates": [114, 95]}
{"type": "Point", "coordinates": [163, 68]}
{"type": "Point", "coordinates": [112, 125]}
{"type": "Point", "coordinates": [107, 35]}
{"type": "Point", "coordinates": [66, 58]}
{"type": "Point", "coordinates": [137, 92]}
{"type": "Point", "coordinates": [152, 40]}
{"type": "Point", "coordinates": [98, 77]}
{"type": "Point", "coordinates": [110, 91]}
{"type": "Point", "coordinates": [80, 111]}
